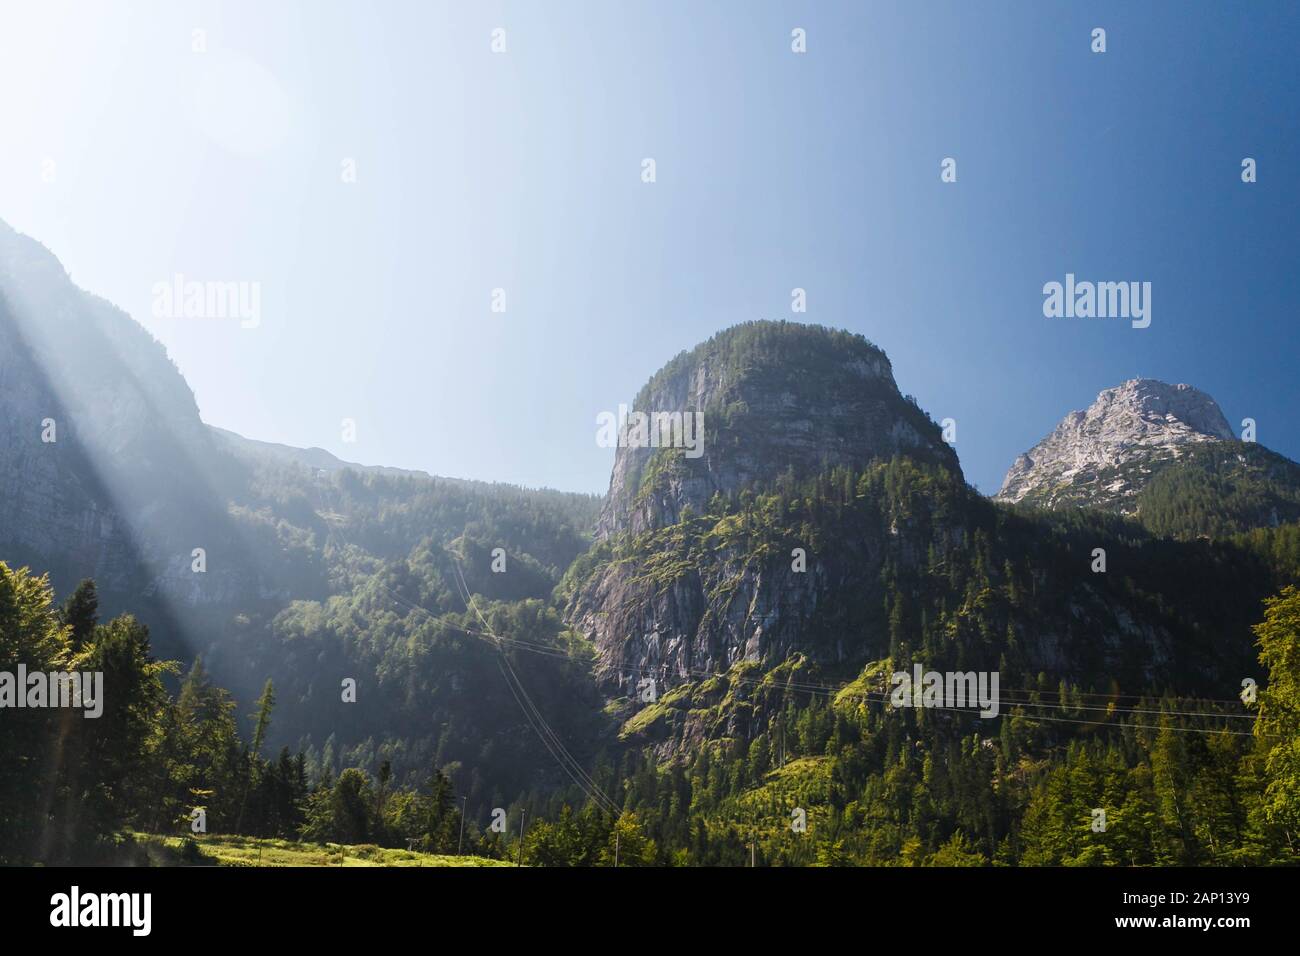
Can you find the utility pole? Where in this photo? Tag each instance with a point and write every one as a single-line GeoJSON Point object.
{"type": "Point", "coordinates": [616, 849]}
{"type": "Point", "coordinates": [461, 842]}
{"type": "Point", "coordinates": [522, 814]}
{"type": "Point", "coordinates": [751, 854]}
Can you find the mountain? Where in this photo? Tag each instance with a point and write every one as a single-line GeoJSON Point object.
{"type": "Point", "coordinates": [315, 567]}
{"type": "Point", "coordinates": [107, 469]}
{"type": "Point", "coordinates": [775, 399]}
{"type": "Point", "coordinates": [781, 404]}
{"type": "Point", "coordinates": [1102, 456]}
{"type": "Point", "coordinates": [818, 545]}
{"type": "Point", "coordinates": [1164, 454]}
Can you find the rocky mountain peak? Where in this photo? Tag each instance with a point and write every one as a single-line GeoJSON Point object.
{"type": "Point", "coordinates": [772, 398]}
{"type": "Point", "coordinates": [1103, 454]}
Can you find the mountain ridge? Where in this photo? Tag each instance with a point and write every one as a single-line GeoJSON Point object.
{"type": "Point", "coordinates": [315, 458]}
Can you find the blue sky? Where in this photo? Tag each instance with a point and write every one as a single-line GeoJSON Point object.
{"type": "Point", "coordinates": [133, 158]}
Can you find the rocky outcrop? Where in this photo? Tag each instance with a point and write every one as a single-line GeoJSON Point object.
{"type": "Point", "coordinates": [775, 398]}
{"type": "Point", "coordinates": [729, 607]}
{"type": "Point", "coordinates": [1104, 455]}
{"type": "Point", "coordinates": [781, 402]}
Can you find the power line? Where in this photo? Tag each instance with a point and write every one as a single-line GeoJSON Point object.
{"type": "Point", "coordinates": [532, 714]}
{"type": "Point", "coordinates": [828, 691]}
{"type": "Point", "coordinates": [592, 790]}
{"type": "Point", "coordinates": [544, 730]}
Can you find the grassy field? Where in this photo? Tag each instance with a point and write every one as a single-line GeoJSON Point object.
{"type": "Point", "coordinates": [221, 850]}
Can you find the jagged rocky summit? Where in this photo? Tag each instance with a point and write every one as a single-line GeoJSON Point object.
{"type": "Point", "coordinates": [1103, 456]}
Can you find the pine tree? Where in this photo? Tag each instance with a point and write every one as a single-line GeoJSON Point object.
{"type": "Point", "coordinates": [385, 775]}
{"type": "Point", "coordinates": [81, 613]}
{"type": "Point", "coordinates": [262, 719]}
{"type": "Point", "coordinates": [1277, 730]}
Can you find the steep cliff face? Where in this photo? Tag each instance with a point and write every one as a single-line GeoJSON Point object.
{"type": "Point", "coordinates": [108, 471]}
{"type": "Point", "coordinates": [1104, 455]}
{"type": "Point", "coordinates": [690, 589]}
{"type": "Point", "coordinates": [774, 399]}
{"type": "Point", "coordinates": [54, 514]}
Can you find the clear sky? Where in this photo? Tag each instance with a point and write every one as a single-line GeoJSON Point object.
{"type": "Point", "coordinates": [134, 158]}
